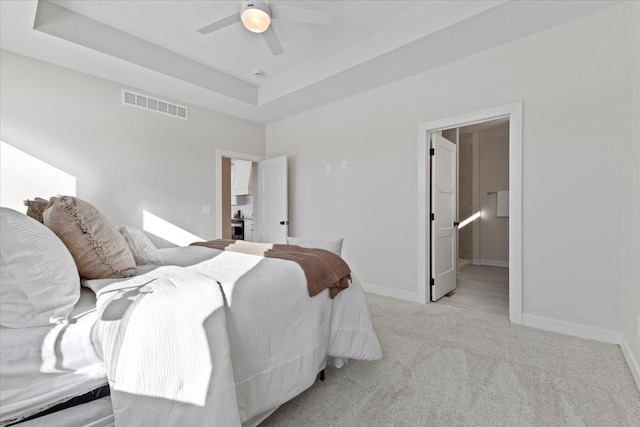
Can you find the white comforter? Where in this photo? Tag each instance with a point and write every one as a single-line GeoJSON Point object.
{"type": "Point", "coordinates": [224, 341]}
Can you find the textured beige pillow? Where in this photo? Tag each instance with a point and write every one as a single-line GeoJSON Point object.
{"type": "Point", "coordinates": [36, 207]}
{"type": "Point", "coordinates": [143, 250]}
{"type": "Point", "coordinates": [95, 244]}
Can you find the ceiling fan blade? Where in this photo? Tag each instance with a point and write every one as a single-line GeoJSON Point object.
{"type": "Point", "coordinates": [272, 40]}
{"type": "Point", "coordinates": [298, 14]}
{"type": "Point", "coordinates": [221, 23]}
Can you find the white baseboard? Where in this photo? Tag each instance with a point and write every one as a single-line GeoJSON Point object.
{"type": "Point", "coordinates": [393, 293]}
{"type": "Point", "coordinates": [573, 329]}
{"type": "Point", "coordinates": [631, 361]}
{"type": "Point", "coordinates": [494, 263]}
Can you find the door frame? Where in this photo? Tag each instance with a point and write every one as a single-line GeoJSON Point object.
{"type": "Point", "coordinates": [514, 112]}
{"type": "Point", "coordinates": [218, 165]}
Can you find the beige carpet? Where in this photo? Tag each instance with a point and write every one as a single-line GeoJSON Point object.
{"type": "Point", "coordinates": [444, 366]}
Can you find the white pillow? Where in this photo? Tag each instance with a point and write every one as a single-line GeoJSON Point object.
{"type": "Point", "coordinates": [334, 246]}
{"type": "Point", "coordinates": [144, 252]}
{"type": "Point", "coordinates": [39, 281]}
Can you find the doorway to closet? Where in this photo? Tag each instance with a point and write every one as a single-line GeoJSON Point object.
{"type": "Point", "coordinates": [482, 245]}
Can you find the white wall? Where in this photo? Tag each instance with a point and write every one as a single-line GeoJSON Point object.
{"type": "Point", "coordinates": [631, 213]}
{"type": "Point", "coordinates": [125, 159]}
{"type": "Point", "coordinates": [569, 79]}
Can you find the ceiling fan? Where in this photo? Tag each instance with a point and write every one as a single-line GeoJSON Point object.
{"type": "Point", "coordinates": [256, 17]}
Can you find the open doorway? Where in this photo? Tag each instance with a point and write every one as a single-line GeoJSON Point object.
{"type": "Point", "coordinates": [227, 201]}
{"type": "Point", "coordinates": [425, 270]}
{"type": "Point", "coordinates": [482, 269]}
{"type": "Point", "coordinates": [268, 205]}
{"type": "Point", "coordinates": [238, 184]}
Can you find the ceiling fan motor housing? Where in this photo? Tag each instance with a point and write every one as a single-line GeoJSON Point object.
{"type": "Point", "coordinates": [256, 16]}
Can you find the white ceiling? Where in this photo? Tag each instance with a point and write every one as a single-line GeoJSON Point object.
{"type": "Point", "coordinates": [153, 45]}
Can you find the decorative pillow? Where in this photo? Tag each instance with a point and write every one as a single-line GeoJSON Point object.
{"type": "Point", "coordinates": [144, 252]}
{"type": "Point", "coordinates": [95, 244]}
{"type": "Point", "coordinates": [39, 281]}
{"type": "Point", "coordinates": [334, 246]}
{"type": "Point", "coordinates": [36, 207]}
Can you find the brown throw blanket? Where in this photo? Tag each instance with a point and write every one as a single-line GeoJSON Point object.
{"type": "Point", "coordinates": [323, 269]}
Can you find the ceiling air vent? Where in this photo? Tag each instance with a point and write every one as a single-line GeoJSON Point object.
{"type": "Point", "coordinates": [164, 107]}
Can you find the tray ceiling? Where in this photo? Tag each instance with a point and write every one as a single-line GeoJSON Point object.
{"type": "Point", "coordinates": [153, 45]}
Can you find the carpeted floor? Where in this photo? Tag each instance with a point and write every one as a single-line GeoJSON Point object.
{"type": "Point", "coordinates": [445, 366]}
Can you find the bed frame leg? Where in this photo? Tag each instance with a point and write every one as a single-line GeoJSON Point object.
{"type": "Point", "coordinates": [321, 375]}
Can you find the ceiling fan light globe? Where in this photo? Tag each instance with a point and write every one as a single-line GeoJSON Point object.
{"type": "Point", "coordinates": [256, 18]}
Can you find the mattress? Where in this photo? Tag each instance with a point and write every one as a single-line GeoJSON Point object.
{"type": "Point", "coordinates": [43, 366]}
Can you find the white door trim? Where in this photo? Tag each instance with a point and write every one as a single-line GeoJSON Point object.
{"type": "Point", "coordinates": [514, 112]}
{"type": "Point", "coordinates": [232, 155]}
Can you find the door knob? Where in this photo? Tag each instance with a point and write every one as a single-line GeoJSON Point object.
{"type": "Point", "coordinates": [456, 223]}
{"type": "Point", "coordinates": [284, 222]}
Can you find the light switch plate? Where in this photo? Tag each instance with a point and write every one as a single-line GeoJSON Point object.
{"type": "Point", "coordinates": [206, 209]}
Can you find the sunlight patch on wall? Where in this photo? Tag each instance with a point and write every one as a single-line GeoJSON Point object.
{"type": "Point", "coordinates": [23, 176]}
{"type": "Point", "coordinates": [469, 220]}
{"type": "Point", "coordinates": [167, 231]}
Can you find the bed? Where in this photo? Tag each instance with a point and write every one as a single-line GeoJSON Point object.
{"type": "Point", "coordinates": [208, 337]}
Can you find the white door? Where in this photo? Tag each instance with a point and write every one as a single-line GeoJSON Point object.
{"type": "Point", "coordinates": [444, 234]}
{"type": "Point", "coordinates": [272, 218]}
